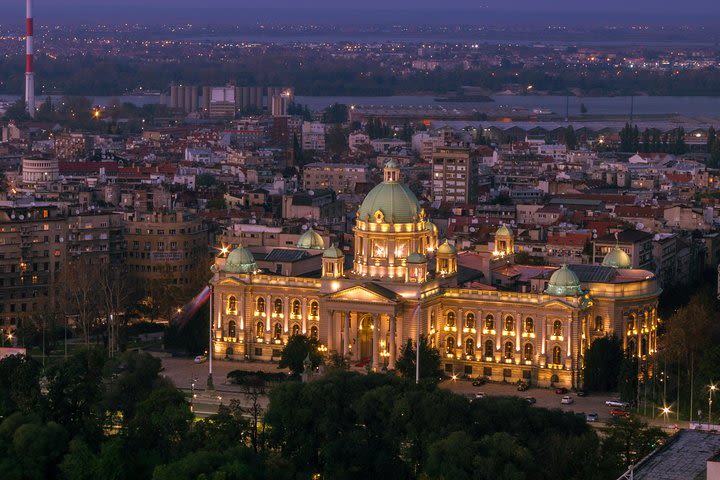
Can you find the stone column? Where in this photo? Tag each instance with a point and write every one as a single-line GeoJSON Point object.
{"type": "Point", "coordinates": [286, 314]}
{"type": "Point", "coordinates": [346, 334]}
{"type": "Point", "coordinates": [376, 341]}
{"type": "Point", "coordinates": [304, 315]}
{"type": "Point", "coordinates": [392, 348]}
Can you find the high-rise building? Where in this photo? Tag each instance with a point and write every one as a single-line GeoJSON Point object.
{"type": "Point", "coordinates": [222, 102]}
{"type": "Point", "coordinates": [454, 175]}
{"type": "Point", "coordinates": [313, 136]}
{"type": "Point", "coordinates": [165, 246]}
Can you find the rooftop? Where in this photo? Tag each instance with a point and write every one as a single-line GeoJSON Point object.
{"type": "Point", "coordinates": [683, 458]}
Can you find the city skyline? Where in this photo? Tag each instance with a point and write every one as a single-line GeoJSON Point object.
{"type": "Point", "coordinates": [704, 12]}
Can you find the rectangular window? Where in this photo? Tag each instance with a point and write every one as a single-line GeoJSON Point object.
{"type": "Point", "coordinates": [526, 374]}
{"type": "Point", "coordinates": [448, 368]}
{"type": "Point", "coordinates": [258, 352]}
{"type": "Point", "coordinates": [468, 370]}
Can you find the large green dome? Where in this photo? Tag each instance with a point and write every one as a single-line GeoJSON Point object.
{"type": "Point", "coordinates": [395, 200]}
{"type": "Point", "coordinates": [311, 240]}
{"type": "Point", "coordinates": [240, 260]}
{"type": "Point", "coordinates": [564, 283]}
{"type": "Point", "coordinates": [617, 259]}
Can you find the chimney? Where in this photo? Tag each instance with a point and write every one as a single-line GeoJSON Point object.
{"type": "Point", "coordinates": [29, 74]}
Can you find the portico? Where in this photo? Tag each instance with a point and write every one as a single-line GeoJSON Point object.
{"type": "Point", "coordinates": [364, 324]}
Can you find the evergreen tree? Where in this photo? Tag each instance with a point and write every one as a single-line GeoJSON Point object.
{"type": "Point", "coordinates": [569, 138]}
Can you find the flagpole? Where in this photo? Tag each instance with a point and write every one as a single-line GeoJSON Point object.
{"type": "Point", "coordinates": [417, 345]}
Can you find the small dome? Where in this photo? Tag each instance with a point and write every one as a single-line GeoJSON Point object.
{"type": "Point", "coordinates": [311, 240]}
{"type": "Point", "coordinates": [564, 282]}
{"type": "Point", "coordinates": [617, 259]}
{"type": "Point", "coordinates": [446, 248]}
{"type": "Point", "coordinates": [333, 252]}
{"type": "Point", "coordinates": [503, 231]}
{"type": "Point", "coordinates": [391, 164]}
{"type": "Point", "coordinates": [240, 260]}
{"type": "Point", "coordinates": [416, 258]}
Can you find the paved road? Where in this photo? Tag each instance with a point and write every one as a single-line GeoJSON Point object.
{"type": "Point", "coordinates": [184, 371]}
{"type": "Point", "coordinates": [546, 398]}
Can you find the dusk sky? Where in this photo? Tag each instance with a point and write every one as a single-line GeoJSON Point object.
{"type": "Point", "coordinates": [249, 11]}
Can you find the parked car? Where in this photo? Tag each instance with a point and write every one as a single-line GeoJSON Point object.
{"type": "Point", "coordinates": [522, 386]}
{"type": "Point", "coordinates": [582, 393]}
{"type": "Point", "coordinates": [566, 400]}
{"type": "Point", "coordinates": [531, 400]}
{"type": "Point", "coordinates": [200, 359]}
{"type": "Point", "coordinates": [619, 412]}
{"type": "Point", "coordinates": [561, 390]}
{"type": "Point", "coordinates": [478, 382]}
{"type": "Point", "coordinates": [591, 417]}
{"type": "Point", "coordinates": [480, 395]}
{"type": "Point", "coordinates": [617, 403]}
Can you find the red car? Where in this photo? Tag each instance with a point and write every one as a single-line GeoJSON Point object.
{"type": "Point", "coordinates": [561, 391]}
{"type": "Point", "coordinates": [619, 412]}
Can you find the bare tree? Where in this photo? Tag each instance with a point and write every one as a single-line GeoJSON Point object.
{"type": "Point", "coordinates": [115, 295]}
{"type": "Point", "coordinates": [79, 295]}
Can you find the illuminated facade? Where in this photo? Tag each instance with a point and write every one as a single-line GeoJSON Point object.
{"type": "Point", "coordinates": [403, 279]}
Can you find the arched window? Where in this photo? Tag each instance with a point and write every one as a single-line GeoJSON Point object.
{"type": "Point", "coordinates": [259, 329]}
{"type": "Point", "coordinates": [557, 356]}
{"type": "Point", "coordinates": [296, 308]}
{"type": "Point", "coordinates": [469, 347]}
{"type": "Point", "coordinates": [449, 344]}
{"type": "Point", "coordinates": [231, 328]}
{"type": "Point", "coordinates": [278, 308]}
{"type": "Point", "coordinates": [489, 323]}
{"type": "Point", "coordinates": [508, 350]}
{"type": "Point", "coordinates": [313, 308]}
{"type": "Point", "coordinates": [314, 332]}
{"type": "Point", "coordinates": [295, 329]}
{"type": "Point", "coordinates": [433, 323]}
{"type": "Point", "coordinates": [557, 328]}
{"type": "Point", "coordinates": [631, 348]}
{"type": "Point", "coordinates": [260, 305]}
{"type": "Point", "coordinates": [509, 324]}
{"type": "Point", "coordinates": [644, 320]}
{"type": "Point", "coordinates": [450, 319]}
{"type": "Point", "coordinates": [277, 331]}
{"type": "Point", "coordinates": [643, 346]}
{"type": "Point", "coordinates": [631, 322]}
{"type": "Point", "coordinates": [489, 348]}
{"type": "Point", "coordinates": [528, 352]}
{"type": "Point", "coordinates": [598, 323]}
{"type": "Point", "coordinates": [232, 304]}
{"type": "Point", "coordinates": [529, 325]}
{"type": "Point", "coordinates": [470, 320]}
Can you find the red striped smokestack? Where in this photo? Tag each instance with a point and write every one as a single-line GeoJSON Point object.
{"type": "Point", "coordinates": [29, 74]}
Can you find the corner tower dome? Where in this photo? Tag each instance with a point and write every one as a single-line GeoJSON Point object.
{"type": "Point", "coordinates": [240, 260]}
{"type": "Point", "coordinates": [390, 201]}
{"type": "Point", "coordinates": [563, 283]}
{"type": "Point", "coordinates": [311, 240]}
{"type": "Point", "coordinates": [617, 259]}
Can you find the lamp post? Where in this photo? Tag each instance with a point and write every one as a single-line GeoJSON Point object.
{"type": "Point", "coordinates": [210, 384]}
{"type": "Point", "coordinates": [712, 387]}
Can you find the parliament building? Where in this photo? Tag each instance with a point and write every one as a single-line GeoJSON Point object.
{"type": "Point", "coordinates": [402, 278]}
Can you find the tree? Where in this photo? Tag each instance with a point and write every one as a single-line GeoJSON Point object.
{"type": "Point", "coordinates": [336, 113]}
{"type": "Point", "coordinates": [603, 361]}
{"type": "Point", "coordinates": [78, 296]}
{"type": "Point", "coordinates": [628, 440]}
{"type": "Point", "coordinates": [19, 382]}
{"type": "Point", "coordinates": [569, 138]}
{"type": "Point", "coordinates": [429, 360]}
{"type": "Point", "coordinates": [336, 140]}
{"type": "Point", "coordinates": [296, 350]}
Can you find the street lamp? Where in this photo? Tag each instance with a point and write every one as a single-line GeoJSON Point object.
{"type": "Point", "coordinates": [712, 387]}
{"type": "Point", "coordinates": [665, 411]}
